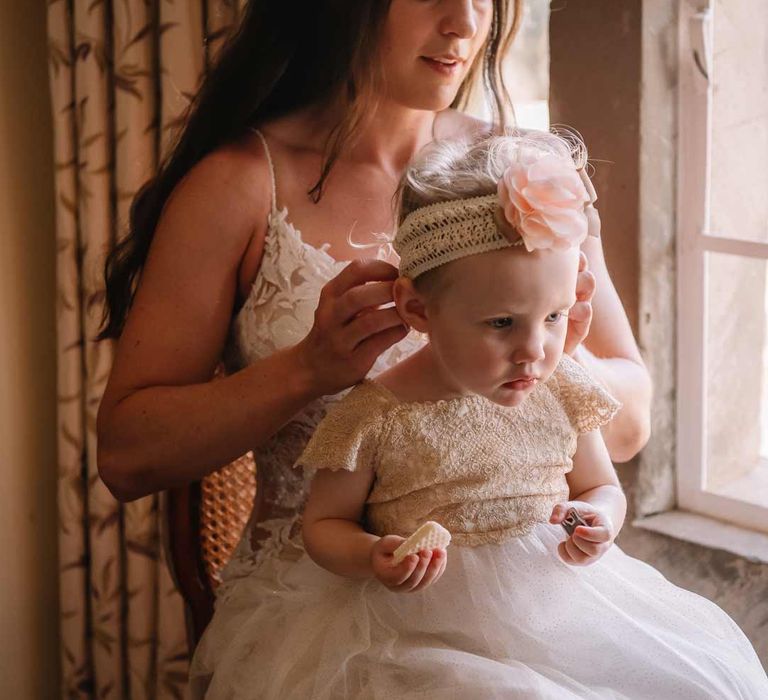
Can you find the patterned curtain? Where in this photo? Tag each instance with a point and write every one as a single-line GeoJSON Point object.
{"type": "Point", "coordinates": [121, 74]}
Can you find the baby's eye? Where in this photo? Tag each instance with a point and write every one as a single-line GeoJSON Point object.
{"type": "Point", "coordinates": [500, 323]}
{"type": "Point", "coordinates": [555, 316]}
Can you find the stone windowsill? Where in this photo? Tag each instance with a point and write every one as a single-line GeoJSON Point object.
{"type": "Point", "coordinates": [708, 532]}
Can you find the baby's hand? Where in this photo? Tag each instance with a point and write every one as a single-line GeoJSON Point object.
{"type": "Point", "coordinates": [587, 543]}
{"type": "Point", "coordinates": [414, 572]}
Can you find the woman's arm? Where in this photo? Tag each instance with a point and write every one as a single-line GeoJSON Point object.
{"type": "Point", "coordinates": [611, 356]}
{"type": "Point", "coordinates": [162, 422]}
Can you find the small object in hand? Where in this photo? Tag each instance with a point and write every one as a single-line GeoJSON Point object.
{"type": "Point", "coordinates": [572, 520]}
{"type": "Point", "coordinates": [430, 535]}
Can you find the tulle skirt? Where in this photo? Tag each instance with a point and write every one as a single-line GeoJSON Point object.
{"type": "Point", "coordinates": [504, 621]}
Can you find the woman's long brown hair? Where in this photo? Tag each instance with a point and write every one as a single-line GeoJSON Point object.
{"type": "Point", "coordinates": [284, 56]}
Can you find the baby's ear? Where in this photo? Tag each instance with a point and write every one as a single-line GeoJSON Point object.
{"type": "Point", "coordinates": [410, 304]}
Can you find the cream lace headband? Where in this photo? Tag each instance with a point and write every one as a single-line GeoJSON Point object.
{"type": "Point", "coordinates": [542, 203]}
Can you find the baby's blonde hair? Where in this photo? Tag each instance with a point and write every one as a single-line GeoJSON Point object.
{"type": "Point", "coordinates": [454, 169]}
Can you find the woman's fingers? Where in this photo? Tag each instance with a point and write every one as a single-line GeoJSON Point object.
{"type": "Point", "coordinates": [362, 297]}
{"type": "Point", "coordinates": [359, 272]}
{"type": "Point", "coordinates": [369, 324]}
{"type": "Point", "coordinates": [372, 347]}
{"type": "Point", "coordinates": [354, 323]}
{"type": "Point", "coordinates": [579, 321]}
{"type": "Point", "coordinates": [586, 284]}
{"type": "Point", "coordinates": [580, 314]}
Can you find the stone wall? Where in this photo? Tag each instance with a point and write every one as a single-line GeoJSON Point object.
{"type": "Point", "coordinates": [602, 54]}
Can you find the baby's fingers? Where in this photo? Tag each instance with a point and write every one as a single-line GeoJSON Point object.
{"type": "Point", "coordinates": [418, 573]}
{"type": "Point", "coordinates": [591, 549]}
{"type": "Point", "coordinates": [395, 576]}
{"type": "Point", "coordinates": [597, 534]}
{"type": "Point", "coordinates": [571, 554]}
{"type": "Point", "coordinates": [434, 570]}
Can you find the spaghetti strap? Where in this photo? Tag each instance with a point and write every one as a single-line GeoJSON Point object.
{"type": "Point", "coordinates": [271, 167]}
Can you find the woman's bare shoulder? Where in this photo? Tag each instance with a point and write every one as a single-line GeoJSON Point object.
{"type": "Point", "coordinates": [231, 185]}
{"type": "Point", "coordinates": [183, 306]}
{"type": "Point", "coordinates": [221, 207]}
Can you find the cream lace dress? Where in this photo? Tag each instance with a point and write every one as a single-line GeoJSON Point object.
{"type": "Point", "coordinates": [508, 619]}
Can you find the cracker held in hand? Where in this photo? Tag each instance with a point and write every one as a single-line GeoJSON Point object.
{"type": "Point", "coordinates": [430, 535]}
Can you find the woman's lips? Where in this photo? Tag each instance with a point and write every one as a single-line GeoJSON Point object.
{"type": "Point", "coordinates": [443, 68]}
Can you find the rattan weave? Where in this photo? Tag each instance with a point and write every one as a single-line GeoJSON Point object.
{"type": "Point", "coordinates": [226, 500]}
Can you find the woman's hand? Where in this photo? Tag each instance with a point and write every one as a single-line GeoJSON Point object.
{"type": "Point", "coordinates": [350, 329]}
{"type": "Point", "coordinates": [580, 314]}
{"type": "Point", "coordinates": [587, 543]}
{"type": "Point", "coordinates": [413, 573]}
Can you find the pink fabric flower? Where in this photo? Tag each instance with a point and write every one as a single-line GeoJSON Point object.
{"type": "Point", "coordinates": [544, 201]}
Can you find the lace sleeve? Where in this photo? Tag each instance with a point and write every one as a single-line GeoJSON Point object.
{"type": "Point", "coordinates": [348, 436]}
{"type": "Point", "coordinates": [585, 401]}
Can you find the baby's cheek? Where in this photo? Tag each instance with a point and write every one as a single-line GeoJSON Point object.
{"type": "Point", "coordinates": [550, 364]}
{"type": "Point", "coordinates": [553, 349]}
{"type": "Point", "coordinates": [476, 361]}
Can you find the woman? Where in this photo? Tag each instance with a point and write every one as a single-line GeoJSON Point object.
{"type": "Point", "coordinates": [343, 95]}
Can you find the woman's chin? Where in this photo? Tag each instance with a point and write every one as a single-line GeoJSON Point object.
{"type": "Point", "coordinates": [430, 99]}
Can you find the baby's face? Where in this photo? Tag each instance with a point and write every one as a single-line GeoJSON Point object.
{"type": "Point", "coordinates": [498, 326]}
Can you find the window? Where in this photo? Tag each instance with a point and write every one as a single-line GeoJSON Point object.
{"type": "Point", "coordinates": [722, 261]}
{"type": "Point", "coordinates": [526, 71]}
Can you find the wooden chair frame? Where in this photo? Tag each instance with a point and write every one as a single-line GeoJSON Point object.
{"type": "Point", "coordinates": [185, 558]}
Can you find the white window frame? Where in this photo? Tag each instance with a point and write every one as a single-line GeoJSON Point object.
{"type": "Point", "coordinates": [695, 239]}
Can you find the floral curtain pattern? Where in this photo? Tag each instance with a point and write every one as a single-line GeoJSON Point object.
{"type": "Point", "coordinates": [121, 75]}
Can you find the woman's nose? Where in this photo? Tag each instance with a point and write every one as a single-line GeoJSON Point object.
{"type": "Point", "coordinates": [460, 19]}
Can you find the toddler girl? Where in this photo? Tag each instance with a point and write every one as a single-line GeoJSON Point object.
{"type": "Point", "coordinates": [493, 432]}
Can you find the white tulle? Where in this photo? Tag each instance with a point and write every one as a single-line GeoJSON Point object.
{"type": "Point", "coordinates": [504, 621]}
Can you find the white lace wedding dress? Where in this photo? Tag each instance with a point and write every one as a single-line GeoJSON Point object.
{"type": "Point", "coordinates": [278, 313]}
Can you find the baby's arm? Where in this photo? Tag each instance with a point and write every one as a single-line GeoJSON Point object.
{"type": "Point", "coordinates": [332, 533]}
{"type": "Point", "coordinates": [335, 540]}
{"type": "Point", "coordinates": [593, 478]}
{"type": "Point", "coordinates": [595, 491]}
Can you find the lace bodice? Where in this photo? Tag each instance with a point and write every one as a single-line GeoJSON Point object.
{"type": "Point", "coordinates": [278, 313]}
{"type": "Point", "coordinates": [484, 471]}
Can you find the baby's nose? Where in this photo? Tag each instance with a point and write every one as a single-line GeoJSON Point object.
{"type": "Point", "coordinates": [531, 349]}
